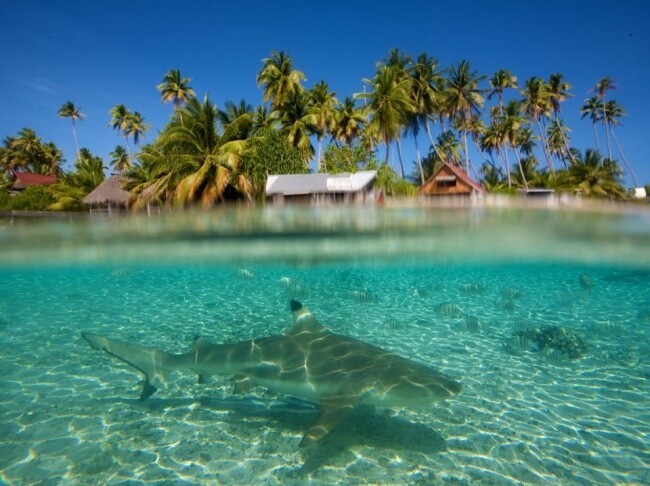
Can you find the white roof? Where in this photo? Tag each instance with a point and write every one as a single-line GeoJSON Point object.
{"type": "Point", "coordinates": [297, 184]}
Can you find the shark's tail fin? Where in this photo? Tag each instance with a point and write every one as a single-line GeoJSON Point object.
{"type": "Point", "coordinates": [149, 361]}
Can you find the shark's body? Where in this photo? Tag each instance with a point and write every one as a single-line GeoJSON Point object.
{"type": "Point", "coordinates": [308, 361]}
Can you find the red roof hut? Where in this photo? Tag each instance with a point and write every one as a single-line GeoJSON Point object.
{"type": "Point", "coordinates": [450, 180]}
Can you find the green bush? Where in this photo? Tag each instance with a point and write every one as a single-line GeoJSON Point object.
{"type": "Point", "coordinates": [5, 201]}
{"type": "Point", "coordinates": [34, 198]}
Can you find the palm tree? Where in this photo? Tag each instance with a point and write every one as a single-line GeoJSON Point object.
{"type": "Point", "coordinates": [348, 121]}
{"type": "Point", "coordinates": [463, 96]}
{"type": "Point", "coordinates": [614, 111]}
{"type": "Point", "coordinates": [500, 81]}
{"type": "Point", "coordinates": [493, 139]}
{"type": "Point", "coordinates": [26, 151]}
{"type": "Point", "coordinates": [279, 80]}
{"type": "Point", "coordinates": [322, 104]}
{"type": "Point", "coordinates": [602, 87]}
{"type": "Point", "coordinates": [298, 123]}
{"type": "Point", "coordinates": [261, 119]}
{"type": "Point", "coordinates": [120, 120]}
{"type": "Point", "coordinates": [175, 88]}
{"type": "Point", "coordinates": [536, 104]}
{"type": "Point", "coordinates": [449, 149]}
{"type": "Point", "coordinates": [558, 91]}
{"type": "Point", "coordinates": [120, 160]}
{"type": "Point", "coordinates": [593, 176]}
{"type": "Point", "coordinates": [593, 108]}
{"type": "Point", "coordinates": [136, 127]}
{"type": "Point", "coordinates": [191, 161]}
{"type": "Point", "coordinates": [389, 105]}
{"type": "Point", "coordinates": [233, 111]}
{"type": "Point", "coordinates": [516, 134]}
{"type": "Point", "coordinates": [52, 157]}
{"type": "Point", "coordinates": [426, 95]}
{"type": "Point", "coordinates": [69, 110]}
{"type": "Point", "coordinates": [557, 141]}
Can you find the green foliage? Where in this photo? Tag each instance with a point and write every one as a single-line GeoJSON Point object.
{"type": "Point", "coordinates": [348, 158]}
{"type": "Point", "coordinates": [269, 153]}
{"type": "Point", "coordinates": [592, 176]}
{"type": "Point", "coordinates": [88, 173]}
{"type": "Point", "coordinates": [392, 185]}
{"type": "Point", "coordinates": [5, 200]}
{"type": "Point", "coordinates": [33, 198]}
{"type": "Point", "coordinates": [27, 152]}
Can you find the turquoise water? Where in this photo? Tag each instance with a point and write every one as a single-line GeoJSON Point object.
{"type": "Point", "coordinates": [447, 287]}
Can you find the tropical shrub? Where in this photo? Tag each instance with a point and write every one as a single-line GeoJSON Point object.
{"type": "Point", "coordinates": [269, 153]}
{"type": "Point", "coordinates": [348, 158]}
{"type": "Point", "coordinates": [33, 198]}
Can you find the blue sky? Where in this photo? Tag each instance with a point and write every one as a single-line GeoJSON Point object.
{"type": "Point", "coordinates": [98, 54]}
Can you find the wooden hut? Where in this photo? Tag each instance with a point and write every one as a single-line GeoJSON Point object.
{"type": "Point", "coordinates": [109, 195]}
{"type": "Point", "coordinates": [450, 180]}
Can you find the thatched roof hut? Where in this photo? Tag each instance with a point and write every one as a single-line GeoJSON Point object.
{"type": "Point", "coordinates": [109, 193]}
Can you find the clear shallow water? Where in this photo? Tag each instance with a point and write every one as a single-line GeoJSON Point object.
{"type": "Point", "coordinates": [70, 415]}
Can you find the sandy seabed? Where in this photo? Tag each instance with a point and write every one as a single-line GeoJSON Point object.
{"type": "Point", "coordinates": [70, 415]}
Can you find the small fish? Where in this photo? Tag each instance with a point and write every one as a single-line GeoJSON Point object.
{"type": "Point", "coordinates": [518, 344]}
{"type": "Point", "coordinates": [522, 325]}
{"type": "Point", "coordinates": [293, 289]}
{"type": "Point", "coordinates": [609, 328]}
{"type": "Point", "coordinates": [585, 282]}
{"type": "Point", "coordinates": [511, 293]}
{"type": "Point", "coordinates": [394, 325]}
{"type": "Point", "coordinates": [472, 288]}
{"type": "Point", "coordinates": [244, 273]}
{"type": "Point", "coordinates": [506, 304]}
{"type": "Point", "coordinates": [554, 355]}
{"type": "Point", "coordinates": [449, 309]}
{"type": "Point", "coordinates": [471, 324]}
{"type": "Point", "coordinates": [362, 296]}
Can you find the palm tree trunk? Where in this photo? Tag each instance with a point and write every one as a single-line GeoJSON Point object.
{"type": "Point", "coordinates": [433, 144]}
{"type": "Point", "coordinates": [76, 140]}
{"type": "Point", "coordinates": [466, 152]}
{"type": "Point", "coordinates": [521, 169]}
{"type": "Point", "coordinates": [566, 146]}
{"type": "Point", "coordinates": [544, 147]}
{"type": "Point", "coordinates": [606, 123]}
{"type": "Point", "coordinates": [319, 149]}
{"type": "Point", "coordinates": [596, 136]}
{"type": "Point", "coordinates": [505, 157]}
{"type": "Point", "coordinates": [627, 165]}
{"type": "Point", "coordinates": [419, 159]}
{"type": "Point", "coordinates": [398, 140]}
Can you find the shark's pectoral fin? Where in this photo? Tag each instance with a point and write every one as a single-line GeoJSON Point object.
{"type": "Point", "coordinates": [147, 390]}
{"type": "Point", "coordinates": [332, 411]}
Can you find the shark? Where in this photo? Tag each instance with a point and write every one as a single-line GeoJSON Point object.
{"type": "Point", "coordinates": [308, 361]}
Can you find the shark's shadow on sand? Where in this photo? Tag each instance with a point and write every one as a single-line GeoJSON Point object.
{"type": "Point", "coordinates": [365, 425]}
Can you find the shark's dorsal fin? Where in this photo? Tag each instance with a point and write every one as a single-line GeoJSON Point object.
{"type": "Point", "coordinates": [303, 320]}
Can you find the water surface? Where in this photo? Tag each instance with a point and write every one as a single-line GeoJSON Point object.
{"type": "Point", "coordinates": [448, 287]}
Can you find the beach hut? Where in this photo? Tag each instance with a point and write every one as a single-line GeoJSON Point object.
{"type": "Point", "coordinates": [109, 195]}
{"type": "Point", "coordinates": [450, 180]}
{"type": "Point", "coordinates": [23, 180]}
{"type": "Point", "coordinates": [322, 188]}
